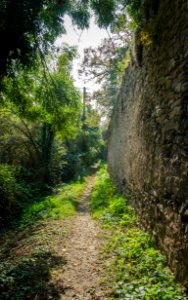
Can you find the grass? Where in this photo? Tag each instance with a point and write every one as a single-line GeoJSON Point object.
{"type": "Point", "coordinates": [138, 271]}
{"type": "Point", "coordinates": [58, 206]}
{"type": "Point", "coordinates": [29, 255]}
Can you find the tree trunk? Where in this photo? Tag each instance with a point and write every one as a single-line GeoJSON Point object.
{"type": "Point", "coordinates": [47, 146]}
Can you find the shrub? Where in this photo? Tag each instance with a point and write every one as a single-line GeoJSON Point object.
{"type": "Point", "coordinates": [8, 189]}
{"type": "Point", "coordinates": [58, 206]}
{"type": "Point", "coordinates": [14, 193]}
{"type": "Point", "coordinates": [102, 192]}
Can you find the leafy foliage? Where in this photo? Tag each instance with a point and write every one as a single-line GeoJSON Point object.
{"type": "Point", "coordinates": [31, 26]}
{"type": "Point", "coordinates": [34, 272]}
{"type": "Point", "coordinates": [138, 269]}
{"type": "Point", "coordinates": [82, 152]}
{"type": "Point", "coordinates": [41, 109]}
{"type": "Point", "coordinates": [135, 9]}
{"type": "Point", "coordinates": [28, 273]}
{"type": "Point", "coordinates": [7, 190]}
{"type": "Point", "coordinates": [62, 205]}
{"type": "Point", "coordinates": [41, 127]}
{"type": "Point", "coordinates": [43, 136]}
{"type": "Point", "coordinates": [10, 193]}
{"type": "Point", "coordinates": [105, 65]}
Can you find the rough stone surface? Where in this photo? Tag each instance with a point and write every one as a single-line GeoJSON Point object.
{"type": "Point", "coordinates": [148, 134]}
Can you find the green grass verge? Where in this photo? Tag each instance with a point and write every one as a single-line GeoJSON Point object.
{"type": "Point", "coordinates": [29, 256]}
{"type": "Point", "coordinates": [62, 205]}
{"type": "Point", "coordinates": [138, 269]}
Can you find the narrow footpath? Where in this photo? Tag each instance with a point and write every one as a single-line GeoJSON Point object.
{"type": "Point", "coordinates": [54, 259]}
{"type": "Point", "coordinates": [61, 252]}
{"type": "Point", "coordinates": [83, 269]}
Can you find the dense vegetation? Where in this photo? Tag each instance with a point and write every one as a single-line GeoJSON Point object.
{"type": "Point", "coordinates": [43, 138]}
{"type": "Point", "coordinates": [27, 255]}
{"type": "Point", "coordinates": [135, 269]}
{"type": "Point", "coordinates": [29, 27]}
{"type": "Point", "coordinates": [47, 134]}
{"type": "Point", "coordinates": [51, 134]}
{"type": "Point", "coordinates": [138, 271]}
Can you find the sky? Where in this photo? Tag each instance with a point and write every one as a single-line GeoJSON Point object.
{"type": "Point", "coordinates": [91, 37]}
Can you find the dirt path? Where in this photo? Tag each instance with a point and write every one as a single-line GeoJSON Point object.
{"type": "Point", "coordinates": [54, 259]}
{"type": "Point", "coordinates": [81, 275]}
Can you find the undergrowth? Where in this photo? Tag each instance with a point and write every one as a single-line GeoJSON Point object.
{"type": "Point", "coordinates": [63, 204]}
{"type": "Point", "coordinates": [138, 269]}
{"type": "Point", "coordinates": [28, 256]}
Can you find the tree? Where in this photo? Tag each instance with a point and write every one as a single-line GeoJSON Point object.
{"type": "Point", "coordinates": [42, 105]}
{"type": "Point", "coordinates": [29, 26]}
{"type": "Point", "coordinates": [105, 65]}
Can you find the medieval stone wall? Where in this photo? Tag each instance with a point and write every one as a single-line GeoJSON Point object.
{"type": "Point", "coordinates": [148, 134]}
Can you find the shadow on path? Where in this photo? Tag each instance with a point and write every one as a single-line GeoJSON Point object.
{"type": "Point", "coordinates": [30, 278]}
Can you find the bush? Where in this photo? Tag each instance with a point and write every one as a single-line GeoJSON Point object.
{"type": "Point", "coordinates": [102, 192]}
{"type": "Point", "coordinates": [13, 194]}
{"type": "Point", "coordinates": [58, 206]}
{"type": "Point", "coordinates": [8, 188]}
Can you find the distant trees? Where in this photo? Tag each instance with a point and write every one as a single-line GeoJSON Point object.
{"type": "Point", "coordinates": [40, 106]}
{"type": "Point", "coordinates": [43, 137]}
{"type": "Point", "coordinates": [105, 65]}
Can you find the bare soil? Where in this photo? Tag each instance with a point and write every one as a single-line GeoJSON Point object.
{"type": "Point", "coordinates": [82, 273]}
{"type": "Point", "coordinates": [56, 259]}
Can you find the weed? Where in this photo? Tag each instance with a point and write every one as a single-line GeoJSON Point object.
{"type": "Point", "coordinates": [139, 270]}
{"type": "Point", "coordinates": [28, 257]}
{"type": "Point", "coordinates": [63, 204]}
{"type": "Point", "coordinates": [29, 278]}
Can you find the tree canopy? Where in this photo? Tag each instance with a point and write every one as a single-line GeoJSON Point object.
{"type": "Point", "coordinates": [32, 25]}
{"type": "Point", "coordinates": [47, 133]}
{"type": "Point", "coordinates": [27, 26]}
{"type": "Point", "coordinates": [105, 65]}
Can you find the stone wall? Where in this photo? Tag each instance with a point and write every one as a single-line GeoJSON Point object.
{"type": "Point", "coordinates": [148, 134]}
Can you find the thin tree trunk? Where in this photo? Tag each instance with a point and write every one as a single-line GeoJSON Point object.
{"type": "Point", "coordinates": [47, 146]}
